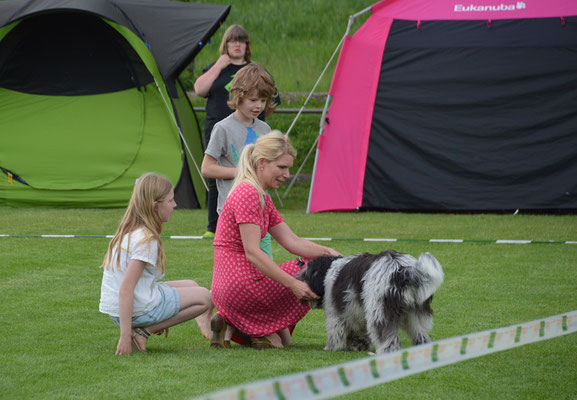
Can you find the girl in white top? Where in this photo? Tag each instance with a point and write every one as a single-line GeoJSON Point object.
{"type": "Point", "coordinates": [134, 263]}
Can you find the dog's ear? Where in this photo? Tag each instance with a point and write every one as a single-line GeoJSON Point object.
{"type": "Point", "coordinates": [315, 272]}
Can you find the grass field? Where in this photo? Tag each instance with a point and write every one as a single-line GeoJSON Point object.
{"type": "Point", "coordinates": [57, 345]}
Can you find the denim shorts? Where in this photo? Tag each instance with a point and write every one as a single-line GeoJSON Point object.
{"type": "Point", "coordinates": [168, 307]}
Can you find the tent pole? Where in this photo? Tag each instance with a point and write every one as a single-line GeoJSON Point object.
{"type": "Point", "coordinates": [300, 169]}
{"type": "Point", "coordinates": [316, 84]}
{"type": "Point", "coordinates": [321, 130]}
{"type": "Point", "coordinates": [181, 134]}
{"type": "Point", "coordinates": [323, 116]}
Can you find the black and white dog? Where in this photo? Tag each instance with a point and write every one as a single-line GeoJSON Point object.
{"type": "Point", "coordinates": [368, 297]}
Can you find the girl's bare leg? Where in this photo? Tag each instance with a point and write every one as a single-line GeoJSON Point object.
{"type": "Point", "coordinates": [195, 301]}
{"type": "Point", "coordinates": [203, 320]}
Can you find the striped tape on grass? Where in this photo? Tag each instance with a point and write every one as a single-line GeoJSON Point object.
{"type": "Point", "coordinates": [327, 239]}
{"type": "Point", "coordinates": [361, 374]}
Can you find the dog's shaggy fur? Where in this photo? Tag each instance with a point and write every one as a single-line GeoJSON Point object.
{"type": "Point", "coordinates": [368, 297]}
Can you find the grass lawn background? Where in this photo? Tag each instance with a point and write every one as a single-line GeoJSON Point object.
{"type": "Point", "coordinates": [57, 345]}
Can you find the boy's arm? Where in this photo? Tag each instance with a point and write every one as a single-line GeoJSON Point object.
{"type": "Point", "coordinates": [211, 169]}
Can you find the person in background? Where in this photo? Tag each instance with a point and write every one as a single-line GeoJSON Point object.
{"type": "Point", "coordinates": [256, 298]}
{"type": "Point", "coordinates": [252, 91]}
{"type": "Point", "coordinates": [214, 85]}
{"type": "Point", "coordinates": [131, 293]}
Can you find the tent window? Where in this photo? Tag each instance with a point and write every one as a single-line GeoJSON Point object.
{"type": "Point", "coordinates": [69, 54]}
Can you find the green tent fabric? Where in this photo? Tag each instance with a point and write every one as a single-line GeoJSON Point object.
{"type": "Point", "coordinates": [87, 105]}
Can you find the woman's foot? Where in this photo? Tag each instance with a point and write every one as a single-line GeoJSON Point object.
{"type": "Point", "coordinates": [218, 327]}
{"type": "Point", "coordinates": [285, 337]}
{"type": "Point", "coordinates": [272, 341]}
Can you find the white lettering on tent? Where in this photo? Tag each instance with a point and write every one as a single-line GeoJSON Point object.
{"type": "Point", "coordinates": [484, 8]}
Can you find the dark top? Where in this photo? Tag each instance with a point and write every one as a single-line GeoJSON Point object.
{"type": "Point", "coordinates": [216, 107]}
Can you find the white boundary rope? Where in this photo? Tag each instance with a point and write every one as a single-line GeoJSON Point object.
{"type": "Point", "coordinates": [327, 239]}
{"type": "Point", "coordinates": [361, 374]}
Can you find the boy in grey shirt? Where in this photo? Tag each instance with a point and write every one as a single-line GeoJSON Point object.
{"type": "Point", "coordinates": [252, 91]}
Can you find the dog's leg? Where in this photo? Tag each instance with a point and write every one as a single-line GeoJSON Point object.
{"type": "Point", "coordinates": [418, 324]}
{"type": "Point", "coordinates": [336, 336]}
{"type": "Point", "coordinates": [385, 336]}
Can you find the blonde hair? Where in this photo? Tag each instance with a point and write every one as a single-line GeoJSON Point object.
{"type": "Point", "coordinates": [233, 33]}
{"type": "Point", "coordinates": [269, 147]}
{"type": "Point", "coordinates": [141, 213]}
{"type": "Point", "coordinates": [249, 79]}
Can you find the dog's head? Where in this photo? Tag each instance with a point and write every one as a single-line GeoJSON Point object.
{"type": "Point", "coordinates": [313, 274]}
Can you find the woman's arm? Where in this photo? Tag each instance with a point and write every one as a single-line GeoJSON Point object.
{"type": "Point", "coordinates": [297, 245]}
{"type": "Point", "coordinates": [126, 304]}
{"type": "Point", "coordinates": [211, 169]}
{"type": "Point", "coordinates": [204, 82]}
{"type": "Point", "coordinates": [250, 235]}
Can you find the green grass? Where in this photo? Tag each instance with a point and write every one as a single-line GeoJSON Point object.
{"type": "Point", "coordinates": [57, 345]}
{"type": "Point", "coordinates": [293, 39]}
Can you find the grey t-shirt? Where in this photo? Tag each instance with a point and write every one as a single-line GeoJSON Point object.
{"type": "Point", "coordinates": [227, 141]}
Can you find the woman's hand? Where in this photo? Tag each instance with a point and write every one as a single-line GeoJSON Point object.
{"type": "Point", "coordinates": [302, 291]}
{"type": "Point", "coordinates": [332, 252]}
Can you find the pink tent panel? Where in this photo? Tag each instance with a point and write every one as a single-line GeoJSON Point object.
{"type": "Point", "coordinates": [474, 9]}
{"type": "Point", "coordinates": [339, 179]}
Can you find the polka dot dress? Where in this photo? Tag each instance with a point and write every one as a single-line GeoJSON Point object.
{"type": "Point", "coordinates": [252, 302]}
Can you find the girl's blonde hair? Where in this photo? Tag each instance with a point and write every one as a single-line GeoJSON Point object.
{"type": "Point", "coordinates": [249, 79]}
{"type": "Point", "coordinates": [269, 147]}
{"type": "Point", "coordinates": [233, 33]}
{"type": "Point", "coordinates": [141, 213]}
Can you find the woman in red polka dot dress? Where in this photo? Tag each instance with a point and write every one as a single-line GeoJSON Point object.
{"type": "Point", "coordinates": [254, 295]}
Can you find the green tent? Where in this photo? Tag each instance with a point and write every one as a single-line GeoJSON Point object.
{"type": "Point", "coordinates": [90, 99]}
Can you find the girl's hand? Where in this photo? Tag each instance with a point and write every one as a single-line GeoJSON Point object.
{"type": "Point", "coordinates": [302, 291]}
{"type": "Point", "coordinates": [223, 61]}
{"type": "Point", "coordinates": [124, 346]}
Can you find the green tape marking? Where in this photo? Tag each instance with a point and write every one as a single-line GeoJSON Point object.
{"type": "Point", "coordinates": [464, 345]}
{"type": "Point", "coordinates": [374, 369]}
{"type": "Point", "coordinates": [518, 334]}
{"type": "Point", "coordinates": [312, 386]}
{"type": "Point", "coordinates": [564, 323]}
{"type": "Point", "coordinates": [405, 360]}
{"type": "Point", "coordinates": [542, 329]}
{"type": "Point", "coordinates": [242, 394]}
{"type": "Point", "coordinates": [343, 377]}
{"type": "Point", "coordinates": [435, 353]}
{"type": "Point", "coordinates": [278, 391]}
{"type": "Point", "coordinates": [492, 340]}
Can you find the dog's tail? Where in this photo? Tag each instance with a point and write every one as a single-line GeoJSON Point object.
{"type": "Point", "coordinates": [431, 274]}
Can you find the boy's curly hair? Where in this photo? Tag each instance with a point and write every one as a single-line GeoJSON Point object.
{"type": "Point", "coordinates": [251, 78]}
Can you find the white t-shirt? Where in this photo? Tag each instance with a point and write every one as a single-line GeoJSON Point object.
{"type": "Point", "coordinates": [146, 293]}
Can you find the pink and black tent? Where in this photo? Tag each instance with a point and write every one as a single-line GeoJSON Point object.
{"type": "Point", "coordinates": [453, 105]}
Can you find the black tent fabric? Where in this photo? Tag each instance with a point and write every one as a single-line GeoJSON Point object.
{"type": "Point", "coordinates": [175, 32]}
{"type": "Point", "coordinates": [471, 118]}
{"type": "Point", "coordinates": [41, 57]}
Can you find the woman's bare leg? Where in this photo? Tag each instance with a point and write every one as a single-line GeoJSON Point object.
{"type": "Point", "coordinates": [275, 340]}
{"type": "Point", "coordinates": [285, 337]}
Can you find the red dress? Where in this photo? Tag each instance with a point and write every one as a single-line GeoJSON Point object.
{"type": "Point", "coordinates": [249, 300]}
